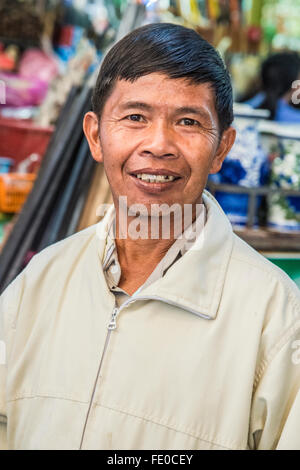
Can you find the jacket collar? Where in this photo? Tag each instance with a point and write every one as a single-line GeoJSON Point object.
{"type": "Point", "coordinates": [195, 282]}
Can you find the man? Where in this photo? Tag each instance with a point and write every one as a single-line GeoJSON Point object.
{"type": "Point", "coordinates": [187, 341]}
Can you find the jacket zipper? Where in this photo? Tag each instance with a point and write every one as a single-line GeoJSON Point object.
{"type": "Point", "coordinates": [112, 326]}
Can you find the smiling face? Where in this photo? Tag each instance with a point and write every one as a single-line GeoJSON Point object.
{"type": "Point", "coordinates": [158, 139]}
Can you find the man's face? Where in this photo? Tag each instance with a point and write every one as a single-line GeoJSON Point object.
{"type": "Point", "coordinates": [158, 129]}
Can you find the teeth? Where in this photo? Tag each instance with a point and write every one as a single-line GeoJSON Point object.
{"type": "Point", "coordinates": [155, 178]}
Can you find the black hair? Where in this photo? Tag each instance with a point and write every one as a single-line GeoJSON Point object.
{"type": "Point", "coordinates": [278, 73]}
{"type": "Point", "coordinates": [174, 50]}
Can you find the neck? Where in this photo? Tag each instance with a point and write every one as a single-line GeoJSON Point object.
{"type": "Point", "coordinates": [142, 252]}
{"type": "Point", "coordinates": [143, 241]}
{"type": "Point", "coordinates": [138, 259]}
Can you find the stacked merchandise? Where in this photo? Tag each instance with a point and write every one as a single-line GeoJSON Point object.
{"type": "Point", "coordinates": [247, 26]}
{"type": "Point", "coordinates": [244, 32]}
{"type": "Point", "coordinates": [34, 85]}
{"type": "Point", "coordinates": [25, 74]}
{"type": "Point", "coordinates": [46, 211]}
{"type": "Point", "coordinates": [281, 23]}
{"type": "Point", "coordinates": [284, 203]}
{"type": "Point", "coordinates": [247, 167]}
{"type": "Point", "coordinates": [259, 186]}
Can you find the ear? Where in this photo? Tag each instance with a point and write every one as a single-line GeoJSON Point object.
{"type": "Point", "coordinates": [227, 141]}
{"type": "Point", "coordinates": [91, 131]}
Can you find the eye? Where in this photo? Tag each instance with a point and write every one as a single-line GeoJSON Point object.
{"type": "Point", "coordinates": [189, 122]}
{"type": "Point", "coordinates": [135, 117]}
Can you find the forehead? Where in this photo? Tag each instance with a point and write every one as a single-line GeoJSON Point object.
{"type": "Point", "coordinates": [161, 92]}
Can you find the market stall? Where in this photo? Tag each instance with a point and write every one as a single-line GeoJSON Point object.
{"type": "Point", "coordinates": [50, 187]}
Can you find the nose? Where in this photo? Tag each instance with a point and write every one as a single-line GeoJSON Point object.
{"type": "Point", "coordinates": [159, 141]}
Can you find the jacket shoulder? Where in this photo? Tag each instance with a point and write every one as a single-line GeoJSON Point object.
{"type": "Point", "coordinates": [53, 262]}
{"type": "Point", "coordinates": [270, 292]}
{"type": "Point", "coordinates": [49, 272]}
{"type": "Point", "coordinates": [70, 245]}
{"type": "Point", "coordinates": [259, 271]}
{"type": "Point", "coordinates": [244, 255]}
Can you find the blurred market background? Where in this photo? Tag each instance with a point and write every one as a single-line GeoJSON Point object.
{"type": "Point", "coordinates": [50, 51]}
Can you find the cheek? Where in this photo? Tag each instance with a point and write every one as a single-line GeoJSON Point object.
{"type": "Point", "coordinates": [113, 169]}
{"type": "Point", "coordinates": [203, 144]}
{"type": "Point", "coordinates": [116, 145]}
{"type": "Point", "coordinates": [112, 152]}
{"type": "Point", "coordinates": [114, 158]}
{"type": "Point", "coordinates": [200, 162]}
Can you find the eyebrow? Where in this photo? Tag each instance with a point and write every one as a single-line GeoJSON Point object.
{"type": "Point", "coordinates": [135, 105]}
{"type": "Point", "coordinates": [193, 110]}
{"type": "Point", "coordinates": [182, 110]}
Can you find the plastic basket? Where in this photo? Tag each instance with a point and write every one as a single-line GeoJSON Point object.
{"type": "Point", "coordinates": [19, 139]}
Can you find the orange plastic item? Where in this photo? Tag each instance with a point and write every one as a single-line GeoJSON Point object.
{"type": "Point", "coordinates": [14, 189]}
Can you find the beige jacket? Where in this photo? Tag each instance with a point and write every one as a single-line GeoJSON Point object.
{"type": "Point", "coordinates": [208, 357]}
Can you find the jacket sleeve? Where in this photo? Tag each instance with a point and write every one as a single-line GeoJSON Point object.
{"type": "Point", "coordinates": [275, 412]}
{"type": "Point", "coordinates": [9, 307]}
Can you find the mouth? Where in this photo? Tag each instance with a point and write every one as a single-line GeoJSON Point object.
{"type": "Point", "coordinates": [155, 181]}
{"type": "Point", "coordinates": [146, 177]}
{"type": "Point", "coordinates": [155, 177]}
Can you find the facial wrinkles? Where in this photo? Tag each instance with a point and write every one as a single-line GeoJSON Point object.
{"type": "Point", "coordinates": [187, 140]}
{"type": "Point", "coordinates": [165, 119]}
{"type": "Point", "coordinates": [183, 145]}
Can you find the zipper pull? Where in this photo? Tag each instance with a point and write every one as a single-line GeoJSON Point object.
{"type": "Point", "coordinates": [113, 324]}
